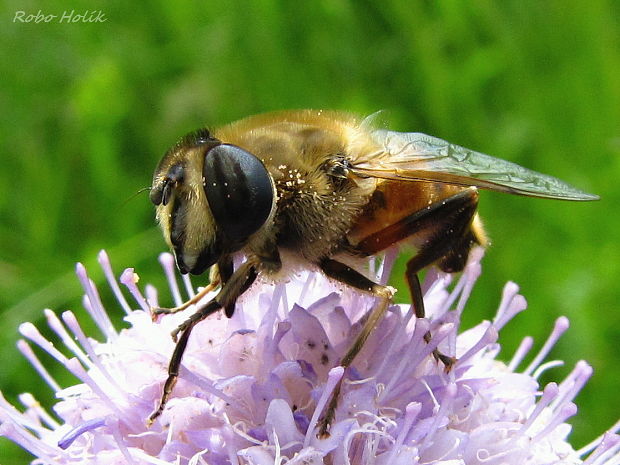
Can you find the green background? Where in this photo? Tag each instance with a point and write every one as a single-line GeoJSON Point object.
{"type": "Point", "coordinates": [88, 109]}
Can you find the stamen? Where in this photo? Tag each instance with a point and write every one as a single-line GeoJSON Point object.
{"type": "Point", "coordinates": [489, 337]}
{"type": "Point", "coordinates": [401, 405]}
{"type": "Point", "coordinates": [568, 410]}
{"type": "Point", "coordinates": [546, 366]}
{"type": "Point", "coordinates": [560, 327]}
{"type": "Point", "coordinates": [333, 377]}
{"type": "Point", "coordinates": [79, 430]}
{"type": "Point", "coordinates": [570, 387]}
{"type": "Point", "coordinates": [189, 288]}
{"type": "Point", "coordinates": [406, 377]}
{"type": "Point", "coordinates": [550, 392]}
{"type": "Point", "coordinates": [72, 323]}
{"type": "Point", "coordinates": [59, 329]}
{"type": "Point", "coordinates": [96, 310]}
{"type": "Point", "coordinates": [106, 266]}
{"type": "Point", "coordinates": [385, 269]}
{"type": "Point", "coordinates": [594, 444]}
{"type": "Point", "coordinates": [167, 263]}
{"type": "Point", "coordinates": [152, 296]}
{"type": "Point", "coordinates": [421, 328]}
{"type": "Point", "coordinates": [29, 442]}
{"type": "Point", "coordinates": [29, 331]}
{"type": "Point", "coordinates": [27, 352]}
{"type": "Point", "coordinates": [608, 446]}
{"type": "Point", "coordinates": [9, 414]}
{"type": "Point", "coordinates": [411, 412]}
{"type": "Point", "coordinates": [33, 405]}
{"type": "Point", "coordinates": [308, 284]}
{"type": "Point", "coordinates": [440, 415]}
{"type": "Point", "coordinates": [521, 352]}
{"type": "Point", "coordinates": [471, 273]}
{"type": "Point", "coordinates": [511, 304]}
{"type": "Point", "coordinates": [398, 334]}
{"type": "Point", "coordinates": [208, 386]}
{"type": "Point", "coordinates": [130, 279]}
{"type": "Point", "coordinates": [118, 438]}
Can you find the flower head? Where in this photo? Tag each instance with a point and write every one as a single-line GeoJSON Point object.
{"type": "Point", "coordinates": [253, 387]}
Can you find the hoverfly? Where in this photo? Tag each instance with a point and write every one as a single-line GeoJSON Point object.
{"type": "Point", "coordinates": [320, 188]}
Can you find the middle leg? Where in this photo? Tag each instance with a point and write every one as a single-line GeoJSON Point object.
{"type": "Point", "coordinates": [347, 275]}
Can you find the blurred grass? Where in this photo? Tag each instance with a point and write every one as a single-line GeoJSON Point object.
{"type": "Point", "coordinates": [90, 108]}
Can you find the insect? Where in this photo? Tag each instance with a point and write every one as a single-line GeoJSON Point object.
{"type": "Point", "coordinates": [318, 188]}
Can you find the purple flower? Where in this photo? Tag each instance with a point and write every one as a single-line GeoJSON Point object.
{"type": "Point", "coordinates": [253, 387]}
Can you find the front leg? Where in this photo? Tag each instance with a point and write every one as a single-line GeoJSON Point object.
{"type": "Point", "coordinates": [238, 283]}
{"type": "Point", "coordinates": [215, 280]}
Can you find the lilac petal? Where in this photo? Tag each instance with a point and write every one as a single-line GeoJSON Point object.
{"type": "Point", "coordinates": [406, 455]}
{"type": "Point", "coordinates": [324, 304]}
{"type": "Point", "coordinates": [337, 433]}
{"type": "Point", "coordinates": [307, 371]}
{"type": "Point", "coordinates": [263, 395]}
{"type": "Point", "coordinates": [302, 421]}
{"type": "Point", "coordinates": [307, 456]}
{"type": "Point", "coordinates": [314, 345]}
{"type": "Point", "coordinates": [259, 433]}
{"type": "Point", "coordinates": [279, 421]}
{"type": "Point", "coordinates": [337, 325]}
{"type": "Point", "coordinates": [238, 355]}
{"type": "Point", "coordinates": [258, 455]}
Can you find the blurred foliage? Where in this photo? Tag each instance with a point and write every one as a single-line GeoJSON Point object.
{"type": "Point", "coordinates": [90, 108]}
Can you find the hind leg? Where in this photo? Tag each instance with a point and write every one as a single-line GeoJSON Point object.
{"type": "Point", "coordinates": [448, 234]}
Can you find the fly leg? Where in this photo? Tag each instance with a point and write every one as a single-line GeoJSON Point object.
{"type": "Point", "coordinates": [218, 275]}
{"type": "Point", "coordinates": [447, 228]}
{"type": "Point", "coordinates": [238, 283]}
{"type": "Point", "coordinates": [347, 275]}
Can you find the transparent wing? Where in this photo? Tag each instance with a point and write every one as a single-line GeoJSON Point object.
{"type": "Point", "coordinates": [415, 156]}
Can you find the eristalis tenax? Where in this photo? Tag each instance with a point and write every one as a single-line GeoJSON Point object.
{"type": "Point", "coordinates": [321, 189]}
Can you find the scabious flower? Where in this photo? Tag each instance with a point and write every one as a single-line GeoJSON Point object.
{"type": "Point", "coordinates": [252, 388]}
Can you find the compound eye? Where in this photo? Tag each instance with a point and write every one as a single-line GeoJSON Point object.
{"type": "Point", "coordinates": [239, 190]}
